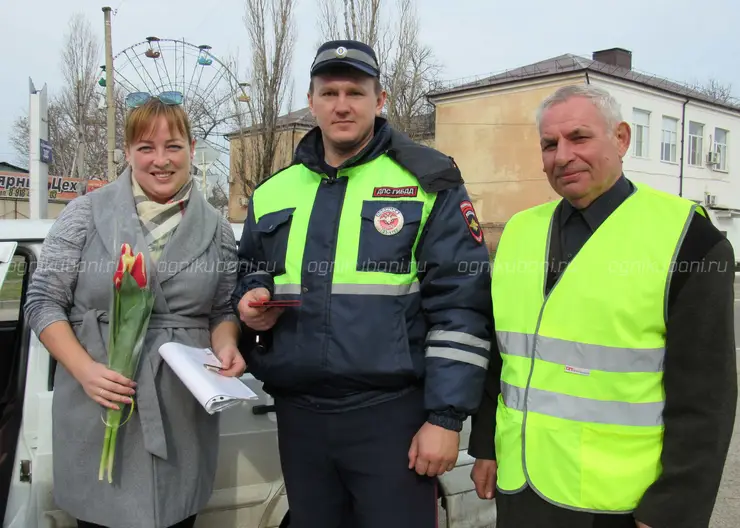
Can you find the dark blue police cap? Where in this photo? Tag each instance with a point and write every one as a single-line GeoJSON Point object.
{"type": "Point", "coordinates": [348, 53]}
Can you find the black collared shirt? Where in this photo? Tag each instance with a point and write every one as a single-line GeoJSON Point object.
{"type": "Point", "coordinates": [573, 227]}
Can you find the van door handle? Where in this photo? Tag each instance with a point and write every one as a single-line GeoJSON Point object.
{"type": "Point", "coordinates": [263, 409]}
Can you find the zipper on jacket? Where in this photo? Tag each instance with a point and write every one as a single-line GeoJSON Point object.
{"type": "Point", "coordinates": [327, 320]}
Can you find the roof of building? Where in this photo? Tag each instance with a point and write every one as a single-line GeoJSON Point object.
{"type": "Point", "coordinates": [569, 63]}
{"type": "Point", "coordinates": [299, 118]}
{"type": "Point", "coordinates": [11, 166]}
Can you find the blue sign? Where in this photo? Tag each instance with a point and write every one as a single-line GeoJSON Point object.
{"type": "Point", "coordinates": [46, 156]}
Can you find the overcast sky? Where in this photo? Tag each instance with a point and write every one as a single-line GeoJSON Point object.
{"type": "Point", "coordinates": [683, 40]}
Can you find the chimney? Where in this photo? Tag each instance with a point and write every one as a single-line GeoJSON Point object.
{"type": "Point", "coordinates": [614, 56]}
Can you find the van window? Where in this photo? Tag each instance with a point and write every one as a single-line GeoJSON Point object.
{"type": "Point", "coordinates": [11, 292]}
{"type": "Point", "coordinates": [14, 342]}
{"type": "Point", "coordinates": [12, 287]}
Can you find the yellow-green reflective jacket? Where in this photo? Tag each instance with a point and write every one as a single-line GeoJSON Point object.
{"type": "Point", "coordinates": [579, 417]}
{"type": "Point", "coordinates": [389, 263]}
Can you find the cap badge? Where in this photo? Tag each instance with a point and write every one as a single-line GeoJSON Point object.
{"type": "Point", "coordinates": [388, 221]}
{"type": "Point", "coordinates": [341, 51]}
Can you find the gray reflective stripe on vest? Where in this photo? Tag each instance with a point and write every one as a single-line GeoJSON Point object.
{"type": "Point", "coordinates": [287, 289]}
{"type": "Point", "coordinates": [457, 355]}
{"type": "Point", "coordinates": [374, 289]}
{"type": "Point", "coordinates": [355, 289]}
{"type": "Point", "coordinates": [583, 355]}
{"type": "Point", "coordinates": [458, 337]}
{"type": "Point", "coordinates": [582, 409]}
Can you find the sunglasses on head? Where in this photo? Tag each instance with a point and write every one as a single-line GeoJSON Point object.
{"type": "Point", "coordinates": [136, 99]}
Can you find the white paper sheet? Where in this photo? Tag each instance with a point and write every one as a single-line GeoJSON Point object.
{"type": "Point", "coordinates": [214, 391]}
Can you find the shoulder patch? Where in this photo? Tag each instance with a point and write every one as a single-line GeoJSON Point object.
{"type": "Point", "coordinates": [471, 220]}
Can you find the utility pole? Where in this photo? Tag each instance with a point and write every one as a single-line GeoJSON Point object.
{"type": "Point", "coordinates": [111, 126]}
{"type": "Point", "coordinates": [39, 152]}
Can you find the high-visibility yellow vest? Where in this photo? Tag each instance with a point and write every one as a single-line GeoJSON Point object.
{"type": "Point", "coordinates": [276, 203]}
{"type": "Point", "coordinates": [579, 417]}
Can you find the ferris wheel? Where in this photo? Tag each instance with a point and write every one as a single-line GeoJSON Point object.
{"type": "Point", "coordinates": [213, 97]}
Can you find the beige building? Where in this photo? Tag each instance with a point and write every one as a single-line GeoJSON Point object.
{"type": "Point", "coordinates": [488, 126]}
{"type": "Point", "coordinates": [290, 129]}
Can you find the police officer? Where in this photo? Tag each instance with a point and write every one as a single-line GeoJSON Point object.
{"type": "Point", "coordinates": [615, 403]}
{"type": "Point", "coordinates": [374, 372]}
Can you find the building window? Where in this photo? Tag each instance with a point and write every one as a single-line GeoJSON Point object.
{"type": "Point", "coordinates": [696, 137]}
{"type": "Point", "coordinates": [720, 147]}
{"type": "Point", "coordinates": [669, 140]}
{"type": "Point", "coordinates": [641, 129]}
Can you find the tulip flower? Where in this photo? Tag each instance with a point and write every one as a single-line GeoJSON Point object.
{"type": "Point", "coordinates": [128, 322]}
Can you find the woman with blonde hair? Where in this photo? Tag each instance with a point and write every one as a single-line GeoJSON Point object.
{"type": "Point", "coordinates": [166, 455]}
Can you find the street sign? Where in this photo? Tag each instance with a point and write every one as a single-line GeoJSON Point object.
{"type": "Point", "coordinates": [46, 156]}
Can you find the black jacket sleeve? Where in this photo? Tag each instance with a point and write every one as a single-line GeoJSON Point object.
{"type": "Point", "coordinates": [455, 287]}
{"type": "Point", "coordinates": [252, 263]}
{"type": "Point", "coordinates": [700, 380]}
{"type": "Point", "coordinates": [483, 430]}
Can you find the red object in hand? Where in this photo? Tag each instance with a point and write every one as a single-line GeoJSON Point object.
{"type": "Point", "coordinates": [272, 304]}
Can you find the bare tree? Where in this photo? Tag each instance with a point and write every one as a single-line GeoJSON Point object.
{"type": "Point", "coordinates": [80, 59]}
{"type": "Point", "coordinates": [270, 26]}
{"type": "Point", "coordinates": [63, 143]}
{"type": "Point", "coordinates": [20, 139]}
{"type": "Point", "coordinates": [238, 142]}
{"type": "Point", "coordinates": [219, 197]}
{"type": "Point", "coordinates": [716, 89]}
{"type": "Point", "coordinates": [408, 68]}
{"type": "Point", "coordinates": [359, 20]}
{"type": "Point", "coordinates": [76, 123]}
{"type": "Point", "coordinates": [410, 74]}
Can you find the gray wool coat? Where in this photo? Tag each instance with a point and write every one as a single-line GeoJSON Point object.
{"type": "Point", "coordinates": [166, 453]}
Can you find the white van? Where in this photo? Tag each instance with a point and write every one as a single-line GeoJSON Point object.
{"type": "Point", "coordinates": [249, 490]}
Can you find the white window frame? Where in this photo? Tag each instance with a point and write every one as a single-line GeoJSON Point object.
{"type": "Point", "coordinates": [721, 150]}
{"type": "Point", "coordinates": [696, 142]}
{"type": "Point", "coordinates": [669, 139]}
{"type": "Point", "coordinates": [640, 149]}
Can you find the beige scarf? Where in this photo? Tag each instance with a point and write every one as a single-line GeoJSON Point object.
{"type": "Point", "coordinates": [159, 221]}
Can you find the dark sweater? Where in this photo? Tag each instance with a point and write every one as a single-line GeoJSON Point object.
{"type": "Point", "coordinates": [700, 376]}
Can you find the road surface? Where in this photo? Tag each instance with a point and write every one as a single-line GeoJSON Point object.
{"type": "Point", "coordinates": [727, 509]}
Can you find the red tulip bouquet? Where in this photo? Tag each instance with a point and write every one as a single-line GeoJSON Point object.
{"type": "Point", "coordinates": [129, 318]}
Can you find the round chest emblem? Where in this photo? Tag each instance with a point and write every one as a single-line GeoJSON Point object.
{"type": "Point", "coordinates": [341, 51]}
{"type": "Point", "coordinates": [388, 221]}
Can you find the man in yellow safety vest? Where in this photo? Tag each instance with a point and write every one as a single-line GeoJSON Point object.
{"type": "Point", "coordinates": [613, 399]}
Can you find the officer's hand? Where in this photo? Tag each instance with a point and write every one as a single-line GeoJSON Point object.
{"type": "Point", "coordinates": [258, 318]}
{"type": "Point", "coordinates": [642, 525]}
{"type": "Point", "coordinates": [484, 477]}
{"type": "Point", "coordinates": [434, 450]}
